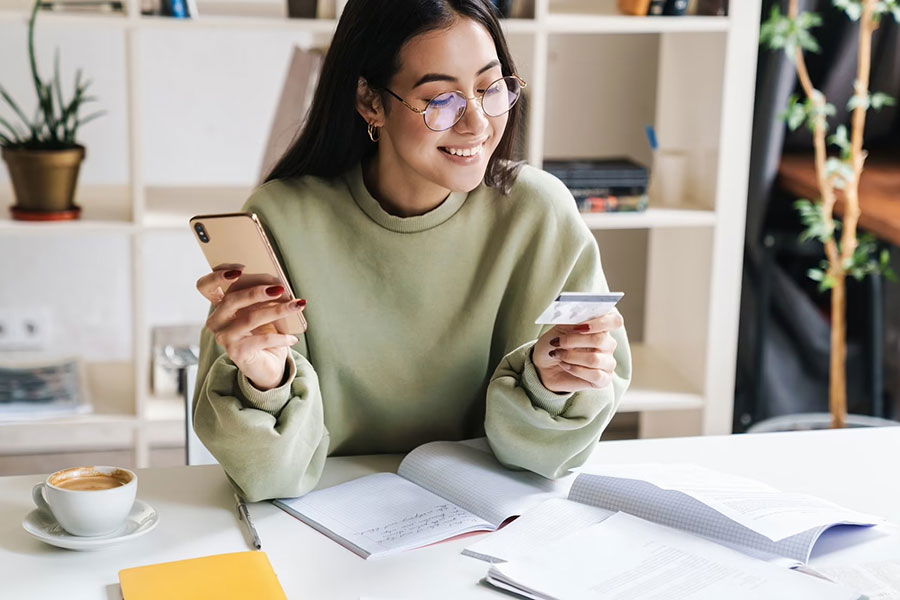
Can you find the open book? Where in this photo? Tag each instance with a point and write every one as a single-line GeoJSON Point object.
{"type": "Point", "coordinates": [441, 490]}
{"type": "Point", "coordinates": [741, 513]}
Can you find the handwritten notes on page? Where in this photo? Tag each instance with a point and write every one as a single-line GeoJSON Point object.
{"type": "Point", "coordinates": [382, 514]}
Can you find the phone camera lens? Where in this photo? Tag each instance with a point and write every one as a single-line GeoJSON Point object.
{"type": "Point", "coordinates": [201, 232]}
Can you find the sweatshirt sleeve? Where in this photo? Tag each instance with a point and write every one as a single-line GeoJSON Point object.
{"type": "Point", "coordinates": [272, 444]}
{"type": "Point", "coordinates": [533, 428]}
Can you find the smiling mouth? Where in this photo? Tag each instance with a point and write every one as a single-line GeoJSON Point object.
{"type": "Point", "coordinates": [464, 154]}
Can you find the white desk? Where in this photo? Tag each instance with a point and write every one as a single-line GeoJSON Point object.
{"type": "Point", "coordinates": [855, 468]}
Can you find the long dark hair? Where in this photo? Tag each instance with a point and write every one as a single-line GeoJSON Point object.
{"type": "Point", "coordinates": [367, 44]}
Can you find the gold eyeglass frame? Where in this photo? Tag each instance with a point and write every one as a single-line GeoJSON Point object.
{"type": "Point", "coordinates": [521, 81]}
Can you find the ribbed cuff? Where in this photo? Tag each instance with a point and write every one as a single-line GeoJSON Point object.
{"type": "Point", "coordinates": [271, 401]}
{"type": "Point", "coordinates": [540, 396]}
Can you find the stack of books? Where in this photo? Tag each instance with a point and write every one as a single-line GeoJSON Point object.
{"type": "Point", "coordinates": [603, 184]}
{"type": "Point", "coordinates": [671, 8]}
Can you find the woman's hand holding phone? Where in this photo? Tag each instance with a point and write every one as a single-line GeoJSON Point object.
{"type": "Point", "coordinates": [243, 323]}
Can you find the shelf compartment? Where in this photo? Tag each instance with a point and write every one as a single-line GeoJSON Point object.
{"type": "Point", "coordinates": [657, 385]}
{"type": "Point", "coordinates": [172, 207]}
{"type": "Point", "coordinates": [602, 16]}
{"type": "Point", "coordinates": [104, 207]}
{"type": "Point", "coordinates": [88, 432]}
{"type": "Point", "coordinates": [651, 218]}
{"type": "Point", "coordinates": [61, 18]}
{"type": "Point", "coordinates": [572, 23]}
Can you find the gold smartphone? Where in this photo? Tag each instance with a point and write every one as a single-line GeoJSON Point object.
{"type": "Point", "coordinates": [238, 241]}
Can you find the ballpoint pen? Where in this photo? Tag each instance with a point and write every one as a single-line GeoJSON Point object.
{"type": "Point", "coordinates": [244, 515]}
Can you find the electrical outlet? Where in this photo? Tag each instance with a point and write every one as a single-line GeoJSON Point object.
{"type": "Point", "coordinates": [25, 328]}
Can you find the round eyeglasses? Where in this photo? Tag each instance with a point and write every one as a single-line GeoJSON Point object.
{"type": "Point", "coordinates": [445, 111]}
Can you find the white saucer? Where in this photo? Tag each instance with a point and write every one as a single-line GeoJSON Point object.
{"type": "Point", "coordinates": [41, 525]}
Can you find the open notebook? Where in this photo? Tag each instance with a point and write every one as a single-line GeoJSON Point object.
{"type": "Point", "coordinates": [441, 490]}
{"type": "Point", "coordinates": [741, 513]}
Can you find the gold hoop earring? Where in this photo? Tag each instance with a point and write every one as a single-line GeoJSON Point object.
{"type": "Point", "coordinates": [372, 129]}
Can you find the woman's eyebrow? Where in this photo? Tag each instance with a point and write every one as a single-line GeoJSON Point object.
{"type": "Point", "coordinates": [441, 77]}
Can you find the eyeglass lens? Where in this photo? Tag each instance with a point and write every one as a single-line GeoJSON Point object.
{"type": "Point", "coordinates": [445, 110]}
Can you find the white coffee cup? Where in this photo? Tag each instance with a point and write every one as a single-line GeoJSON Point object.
{"type": "Point", "coordinates": [88, 501]}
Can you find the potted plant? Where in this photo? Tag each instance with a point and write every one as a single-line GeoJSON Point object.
{"type": "Point", "coordinates": [845, 253]}
{"type": "Point", "coordinates": [42, 153]}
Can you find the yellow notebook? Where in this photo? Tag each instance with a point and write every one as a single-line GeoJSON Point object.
{"type": "Point", "coordinates": [240, 575]}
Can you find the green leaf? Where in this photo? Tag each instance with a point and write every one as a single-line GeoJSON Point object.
{"type": "Point", "coordinates": [90, 118]}
{"type": "Point", "coordinates": [827, 283]}
{"type": "Point", "coordinates": [795, 113]}
{"type": "Point", "coordinates": [857, 101]}
{"type": "Point", "coordinates": [773, 33]}
{"type": "Point", "coordinates": [840, 171]}
{"type": "Point", "coordinates": [880, 99]}
{"type": "Point", "coordinates": [816, 274]}
{"type": "Point", "coordinates": [15, 107]}
{"type": "Point", "coordinates": [813, 220]}
{"type": "Point", "coordinates": [781, 32]}
{"type": "Point", "coordinates": [853, 8]}
{"type": "Point", "coordinates": [841, 140]}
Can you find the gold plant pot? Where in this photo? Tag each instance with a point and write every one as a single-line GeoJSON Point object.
{"type": "Point", "coordinates": [44, 182]}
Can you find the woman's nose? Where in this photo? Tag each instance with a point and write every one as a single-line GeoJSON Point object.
{"type": "Point", "coordinates": [474, 119]}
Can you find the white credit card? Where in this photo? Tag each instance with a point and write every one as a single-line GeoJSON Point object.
{"type": "Point", "coordinates": [572, 308]}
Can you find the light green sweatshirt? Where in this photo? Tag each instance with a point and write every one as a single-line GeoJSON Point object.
{"type": "Point", "coordinates": [420, 329]}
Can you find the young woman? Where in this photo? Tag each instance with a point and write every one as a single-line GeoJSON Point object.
{"type": "Point", "coordinates": [425, 254]}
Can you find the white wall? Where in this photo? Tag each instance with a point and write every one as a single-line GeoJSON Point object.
{"type": "Point", "coordinates": [84, 284]}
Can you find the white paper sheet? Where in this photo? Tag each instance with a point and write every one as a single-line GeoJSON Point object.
{"type": "Point", "coordinates": [755, 505]}
{"type": "Point", "coordinates": [537, 527]}
{"type": "Point", "coordinates": [877, 580]}
{"type": "Point", "coordinates": [625, 558]}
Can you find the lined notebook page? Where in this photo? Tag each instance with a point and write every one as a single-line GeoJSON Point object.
{"type": "Point", "coordinates": [381, 514]}
{"type": "Point", "coordinates": [554, 519]}
{"type": "Point", "coordinates": [473, 479]}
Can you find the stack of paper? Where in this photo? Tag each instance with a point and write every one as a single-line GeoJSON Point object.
{"type": "Point", "coordinates": [625, 557]}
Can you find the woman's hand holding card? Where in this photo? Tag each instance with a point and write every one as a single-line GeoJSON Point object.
{"type": "Point", "coordinates": [571, 358]}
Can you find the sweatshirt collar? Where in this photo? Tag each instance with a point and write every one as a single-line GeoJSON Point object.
{"type": "Point", "coordinates": [369, 205]}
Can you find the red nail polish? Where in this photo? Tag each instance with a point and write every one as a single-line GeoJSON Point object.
{"type": "Point", "coordinates": [232, 274]}
{"type": "Point", "coordinates": [275, 290]}
{"type": "Point", "coordinates": [300, 303]}
{"type": "Point", "coordinates": [555, 342]}
{"type": "Point", "coordinates": [552, 354]}
{"type": "Point", "coordinates": [582, 328]}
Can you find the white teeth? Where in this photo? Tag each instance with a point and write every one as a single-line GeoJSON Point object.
{"type": "Point", "coordinates": [466, 151]}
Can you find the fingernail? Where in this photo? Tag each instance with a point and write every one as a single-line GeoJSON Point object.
{"type": "Point", "coordinates": [582, 328]}
{"type": "Point", "coordinates": [275, 290]}
{"type": "Point", "coordinates": [293, 340]}
{"type": "Point", "coordinates": [300, 303]}
{"type": "Point", "coordinates": [555, 342]}
{"type": "Point", "coordinates": [232, 274]}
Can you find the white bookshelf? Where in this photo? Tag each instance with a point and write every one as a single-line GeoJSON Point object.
{"type": "Point", "coordinates": [693, 77]}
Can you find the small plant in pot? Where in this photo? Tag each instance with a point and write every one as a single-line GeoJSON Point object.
{"type": "Point", "coordinates": [41, 153]}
